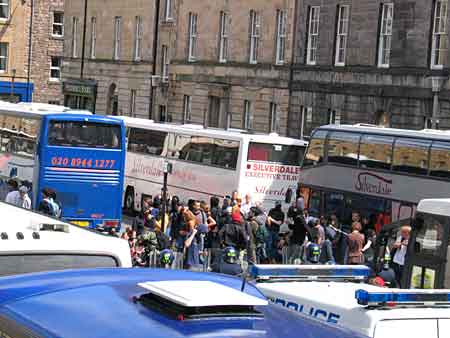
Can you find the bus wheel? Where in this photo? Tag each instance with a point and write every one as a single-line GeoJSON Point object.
{"type": "Point", "coordinates": [129, 201]}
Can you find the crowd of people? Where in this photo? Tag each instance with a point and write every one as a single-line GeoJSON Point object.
{"type": "Point", "coordinates": [226, 235]}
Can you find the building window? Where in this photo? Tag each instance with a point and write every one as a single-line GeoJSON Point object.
{"type": "Point", "coordinates": [341, 35]}
{"type": "Point", "coordinates": [187, 108]}
{"type": "Point", "coordinates": [55, 68]}
{"type": "Point", "coordinates": [164, 63]}
{"type": "Point", "coordinates": [133, 102]}
{"type": "Point", "coordinates": [255, 32]}
{"type": "Point", "coordinates": [192, 43]}
{"type": "Point", "coordinates": [117, 35]}
{"type": "Point", "coordinates": [333, 117]}
{"type": "Point", "coordinates": [384, 49]}
{"type": "Point", "coordinates": [223, 37]}
{"type": "Point", "coordinates": [273, 127]}
{"type": "Point", "coordinates": [439, 48]}
{"type": "Point", "coordinates": [93, 36]}
{"type": "Point", "coordinates": [305, 120]}
{"type": "Point", "coordinates": [3, 57]}
{"type": "Point", "coordinates": [58, 24]}
{"type": "Point", "coordinates": [74, 37]}
{"type": "Point", "coordinates": [168, 11]}
{"type": "Point", "coordinates": [4, 9]}
{"type": "Point", "coordinates": [56, 103]}
{"type": "Point", "coordinates": [248, 115]}
{"type": "Point", "coordinates": [281, 37]}
{"type": "Point", "coordinates": [138, 39]}
{"type": "Point", "coordinates": [313, 35]}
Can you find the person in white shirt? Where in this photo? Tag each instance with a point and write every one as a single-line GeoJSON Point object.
{"type": "Point", "coordinates": [26, 201]}
{"type": "Point", "coordinates": [245, 207]}
{"type": "Point", "coordinates": [399, 257]}
{"type": "Point", "coordinates": [13, 197]}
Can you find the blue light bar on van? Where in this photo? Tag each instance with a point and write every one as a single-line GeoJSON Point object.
{"type": "Point", "coordinates": [403, 297]}
{"type": "Point", "coordinates": [271, 273]}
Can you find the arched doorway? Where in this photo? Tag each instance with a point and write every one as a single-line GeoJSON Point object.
{"type": "Point", "coordinates": [112, 101]}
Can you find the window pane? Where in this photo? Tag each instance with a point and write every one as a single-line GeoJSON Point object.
{"type": "Point", "coordinates": [84, 134]}
{"type": "Point", "coordinates": [411, 156]}
{"type": "Point", "coordinates": [376, 152]}
{"type": "Point", "coordinates": [12, 265]}
{"type": "Point", "coordinates": [430, 235]}
{"type": "Point", "coordinates": [440, 159]}
{"type": "Point", "coordinates": [315, 152]}
{"type": "Point", "coordinates": [275, 153]}
{"type": "Point", "coordinates": [147, 141]}
{"type": "Point", "coordinates": [343, 148]}
{"type": "Point", "coordinates": [225, 153]}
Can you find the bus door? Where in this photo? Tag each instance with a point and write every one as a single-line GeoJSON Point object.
{"type": "Point", "coordinates": [427, 259]}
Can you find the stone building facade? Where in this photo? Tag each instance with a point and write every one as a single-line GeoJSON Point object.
{"type": "Point", "coordinates": [23, 78]}
{"type": "Point", "coordinates": [118, 56]}
{"type": "Point", "coordinates": [370, 61]}
{"type": "Point", "coordinates": [228, 63]}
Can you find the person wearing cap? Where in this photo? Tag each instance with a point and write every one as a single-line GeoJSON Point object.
{"type": "Point", "coordinates": [228, 263]}
{"type": "Point", "coordinates": [25, 199]}
{"type": "Point", "coordinates": [13, 197]}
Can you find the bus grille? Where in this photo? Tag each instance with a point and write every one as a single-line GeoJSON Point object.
{"type": "Point", "coordinates": [56, 174]}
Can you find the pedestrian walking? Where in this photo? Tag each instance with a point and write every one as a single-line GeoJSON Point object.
{"type": "Point", "coordinates": [25, 199]}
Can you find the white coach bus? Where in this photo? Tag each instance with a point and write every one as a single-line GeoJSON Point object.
{"type": "Point", "coordinates": [208, 162]}
{"type": "Point", "coordinates": [382, 173]}
{"type": "Point", "coordinates": [33, 242]}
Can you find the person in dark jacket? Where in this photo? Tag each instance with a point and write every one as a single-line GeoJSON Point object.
{"type": "Point", "coordinates": [233, 234]}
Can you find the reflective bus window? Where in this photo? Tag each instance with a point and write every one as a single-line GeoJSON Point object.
{"type": "Point", "coordinates": [84, 134]}
{"type": "Point", "coordinates": [205, 150]}
{"type": "Point", "coordinates": [146, 141]}
{"type": "Point", "coordinates": [376, 152]}
{"type": "Point", "coordinates": [440, 159]}
{"type": "Point", "coordinates": [315, 152]}
{"type": "Point", "coordinates": [343, 148]}
{"type": "Point", "coordinates": [275, 153]}
{"type": "Point", "coordinates": [18, 135]}
{"type": "Point", "coordinates": [411, 156]}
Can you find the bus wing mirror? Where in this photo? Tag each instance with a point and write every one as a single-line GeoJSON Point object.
{"type": "Point", "coordinates": [288, 197]}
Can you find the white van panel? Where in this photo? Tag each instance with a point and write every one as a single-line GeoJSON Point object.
{"type": "Point", "coordinates": [410, 328]}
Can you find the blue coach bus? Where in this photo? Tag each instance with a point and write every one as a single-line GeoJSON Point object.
{"type": "Point", "coordinates": [79, 155]}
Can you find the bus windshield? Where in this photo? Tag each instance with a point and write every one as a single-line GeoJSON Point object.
{"type": "Point", "coordinates": [84, 134]}
{"type": "Point", "coordinates": [275, 153]}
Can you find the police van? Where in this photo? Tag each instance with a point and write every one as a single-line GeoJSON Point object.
{"type": "Point", "coordinates": [32, 242]}
{"type": "Point", "coordinates": [339, 295]}
{"type": "Point", "coordinates": [150, 303]}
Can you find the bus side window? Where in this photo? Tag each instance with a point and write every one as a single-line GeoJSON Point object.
{"type": "Point", "coordinates": [440, 159]}
{"type": "Point", "coordinates": [316, 148]}
{"type": "Point", "coordinates": [411, 156]}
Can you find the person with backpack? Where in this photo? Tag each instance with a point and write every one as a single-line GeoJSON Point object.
{"type": "Point", "coordinates": [233, 234]}
{"type": "Point", "coordinates": [48, 205]}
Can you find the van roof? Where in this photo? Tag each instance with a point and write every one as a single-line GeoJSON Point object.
{"type": "Point", "coordinates": [105, 302]}
{"type": "Point", "coordinates": [436, 206]}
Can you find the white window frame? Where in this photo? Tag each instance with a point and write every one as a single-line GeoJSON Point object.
{"type": "Point", "coordinates": [93, 36]}
{"type": "Point", "coordinates": [187, 108]}
{"type": "Point", "coordinates": [313, 35]}
{"type": "Point", "coordinates": [74, 37]}
{"type": "Point", "coordinates": [439, 36]}
{"type": "Point", "coordinates": [58, 68]}
{"type": "Point", "coordinates": [255, 34]}
{"type": "Point", "coordinates": [341, 35]}
{"type": "Point", "coordinates": [7, 4]}
{"type": "Point", "coordinates": [248, 115]}
{"type": "Point", "coordinates": [223, 37]}
{"type": "Point", "coordinates": [58, 24]}
{"type": "Point", "coordinates": [5, 57]}
{"type": "Point", "coordinates": [137, 39]}
{"type": "Point", "coordinates": [273, 128]}
{"type": "Point", "coordinates": [133, 94]}
{"type": "Point", "coordinates": [192, 33]}
{"type": "Point", "coordinates": [117, 37]}
{"type": "Point", "coordinates": [168, 16]}
{"type": "Point", "coordinates": [385, 39]}
{"type": "Point", "coordinates": [165, 63]}
{"type": "Point", "coordinates": [281, 37]}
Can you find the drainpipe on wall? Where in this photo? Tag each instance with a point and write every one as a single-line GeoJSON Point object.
{"type": "Point", "coordinates": [154, 56]}
{"type": "Point", "coordinates": [83, 46]}
{"type": "Point", "coordinates": [30, 49]}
